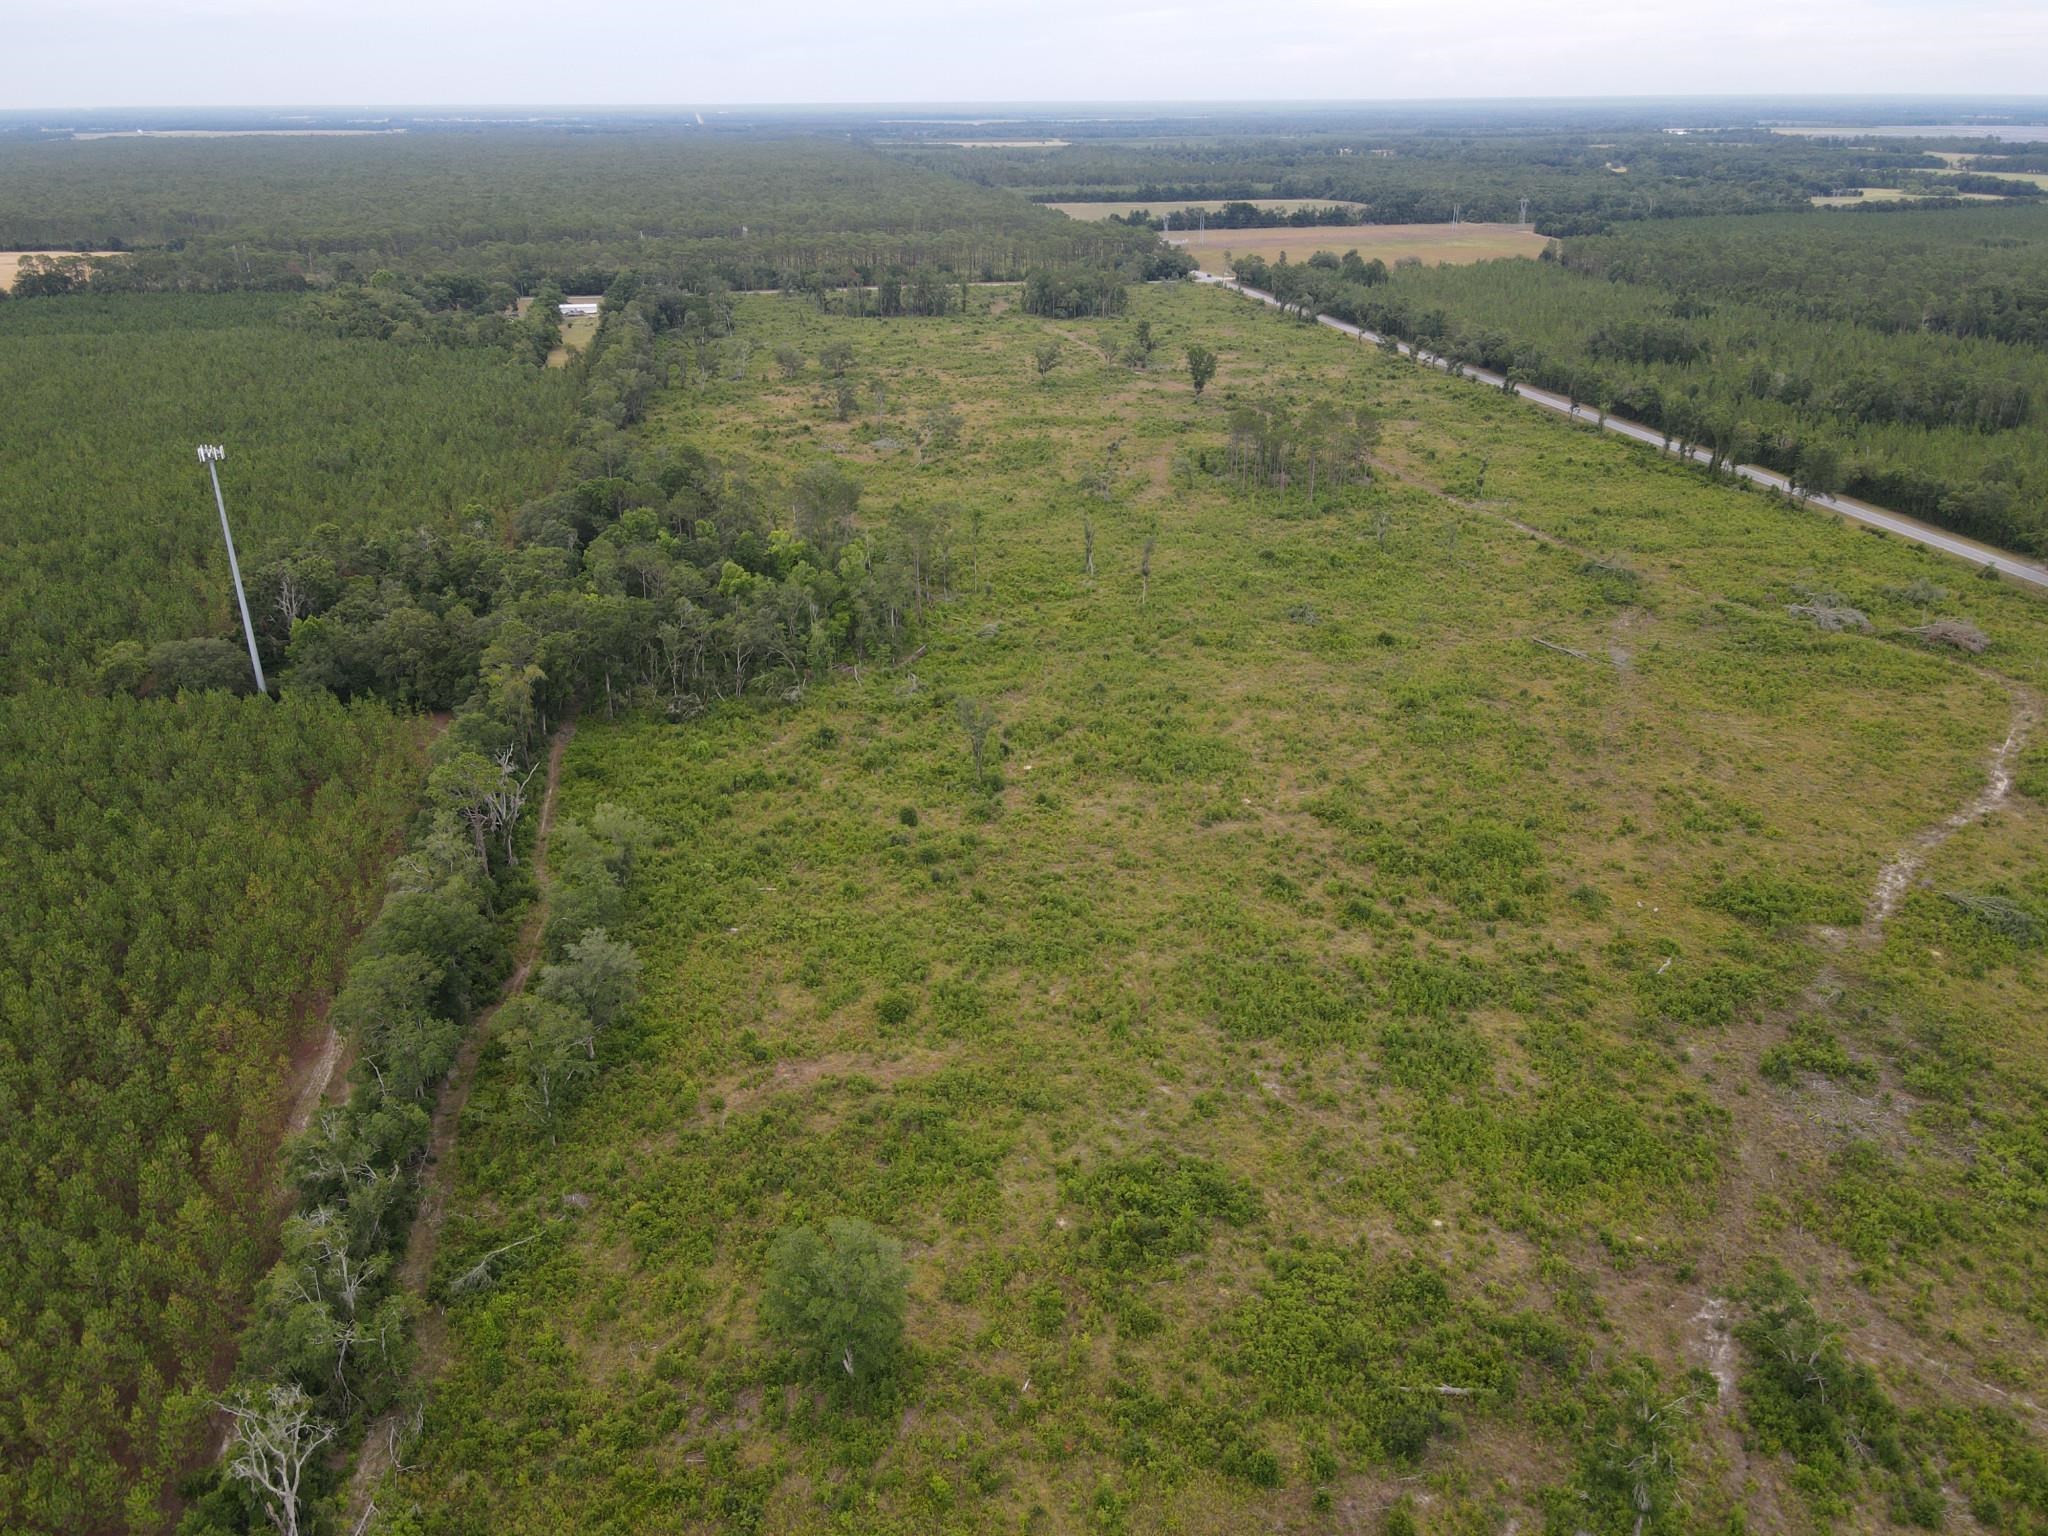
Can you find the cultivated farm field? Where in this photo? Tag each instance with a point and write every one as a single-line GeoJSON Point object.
{"type": "Point", "coordinates": [1415, 979]}
{"type": "Point", "coordinates": [1431, 244]}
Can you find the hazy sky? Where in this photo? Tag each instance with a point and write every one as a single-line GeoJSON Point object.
{"type": "Point", "coordinates": [82, 53]}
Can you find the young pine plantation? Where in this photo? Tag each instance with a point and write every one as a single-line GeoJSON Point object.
{"type": "Point", "coordinates": [1477, 985]}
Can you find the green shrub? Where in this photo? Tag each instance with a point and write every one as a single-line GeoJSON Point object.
{"type": "Point", "coordinates": [2031, 776]}
{"type": "Point", "coordinates": [1361, 1346]}
{"type": "Point", "coordinates": [838, 1295]}
{"type": "Point", "coordinates": [1145, 1210]}
{"type": "Point", "coordinates": [1707, 997]}
{"type": "Point", "coordinates": [1804, 1398]}
{"type": "Point", "coordinates": [1772, 900]}
{"type": "Point", "coordinates": [1433, 1054]}
{"type": "Point", "coordinates": [1811, 1046]}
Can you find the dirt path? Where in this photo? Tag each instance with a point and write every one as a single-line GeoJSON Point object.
{"type": "Point", "coordinates": [1706, 1333]}
{"type": "Point", "coordinates": [318, 1060]}
{"type": "Point", "coordinates": [380, 1442]}
{"type": "Point", "coordinates": [1894, 879]}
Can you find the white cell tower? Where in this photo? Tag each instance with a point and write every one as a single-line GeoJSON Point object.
{"type": "Point", "coordinates": [210, 454]}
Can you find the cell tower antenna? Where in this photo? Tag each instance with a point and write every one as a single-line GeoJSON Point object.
{"type": "Point", "coordinates": [1525, 210]}
{"type": "Point", "coordinates": [210, 454]}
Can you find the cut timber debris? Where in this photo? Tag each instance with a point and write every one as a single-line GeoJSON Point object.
{"type": "Point", "coordinates": [1830, 616]}
{"type": "Point", "coordinates": [1963, 636]}
{"type": "Point", "coordinates": [1998, 912]}
{"type": "Point", "coordinates": [1552, 645]}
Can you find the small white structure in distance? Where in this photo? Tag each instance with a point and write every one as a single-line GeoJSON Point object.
{"type": "Point", "coordinates": [577, 309]}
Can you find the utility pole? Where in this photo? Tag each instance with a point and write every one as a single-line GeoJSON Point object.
{"type": "Point", "coordinates": [210, 454]}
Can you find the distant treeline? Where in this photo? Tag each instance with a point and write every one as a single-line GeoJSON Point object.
{"type": "Point", "coordinates": [1573, 182]}
{"type": "Point", "coordinates": [522, 209]}
{"type": "Point", "coordinates": [1242, 215]}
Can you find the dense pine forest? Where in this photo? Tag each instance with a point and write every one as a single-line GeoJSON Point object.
{"type": "Point", "coordinates": [1977, 272]}
{"type": "Point", "coordinates": [1569, 182]}
{"type": "Point", "coordinates": [1157, 921]}
{"type": "Point", "coordinates": [110, 534]}
{"type": "Point", "coordinates": [184, 877]}
{"type": "Point", "coordinates": [520, 208]}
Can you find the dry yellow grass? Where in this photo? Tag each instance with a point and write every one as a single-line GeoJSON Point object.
{"type": "Point", "coordinates": [1433, 244]}
{"type": "Point", "coordinates": [577, 331]}
{"type": "Point", "coordinates": [1108, 206]}
{"type": "Point", "coordinates": [10, 261]}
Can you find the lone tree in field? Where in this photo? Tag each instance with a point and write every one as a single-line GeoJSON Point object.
{"type": "Point", "coordinates": [1047, 357]}
{"type": "Point", "coordinates": [977, 720]}
{"type": "Point", "coordinates": [1201, 367]}
{"type": "Point", "coordinates": [837, 1295]}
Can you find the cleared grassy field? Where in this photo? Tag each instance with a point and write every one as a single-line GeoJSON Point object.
{"type": "Point", "coordinates": [1896, 195]}
{"type": "Point", "coordinates": [1102, 210]}
{"type": "Point", "coordinates": [1867, 195]}
{"type": "Point", "coordinates": [1431, 244]}
{"type": "Point", "coordinates": [1351, 1049]}
{"type": "Point", "coordinates": [578, 331]}
{"type": "Point", "coordinates": [10, 262]}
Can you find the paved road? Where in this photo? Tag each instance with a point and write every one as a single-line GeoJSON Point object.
{"type": "Point", "coordinates": [1876, 517]}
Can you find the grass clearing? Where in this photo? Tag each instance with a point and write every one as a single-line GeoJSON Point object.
{"type": "Point", "coordinates": [10, 262]}
{"type": "Point", "coordinates": [1103, 208]}
{"type": "Point", "coordinates": [1895, 195]}
{"type": "Point", "coordinates": [1431, 244]}
{"type": "Point", "coordinates": [1867, 195]}
{"type": "Point", "coordinates": [578, 331]}
{"type": "Point", "coordinates": [1332, 974]}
